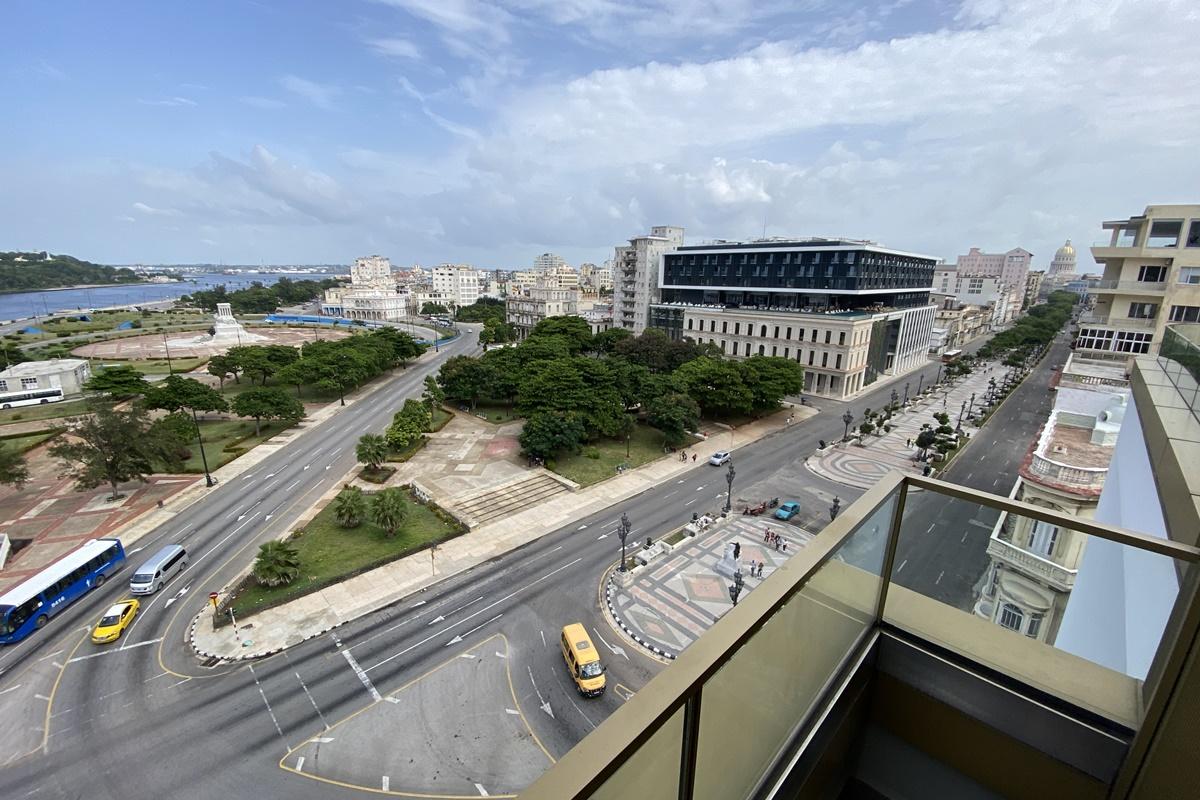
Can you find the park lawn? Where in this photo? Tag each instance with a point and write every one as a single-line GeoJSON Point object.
{"type": "Point", "coordinates": [440, 417]}
{"type": "Point", "coordinates": [492, 411]}
{"type": "Point", "coordinates": [645, 446]}
{"type": "Point", "coordinates": [329, 553]}
{"type": "Point", "coordinates": [26, 442]}
{"type": "Point", "coordinates": [161, 367]}
{"type": "Point", "coordinates": [237, 434]}
{"type": "Point", "coordinates": [66, 408]}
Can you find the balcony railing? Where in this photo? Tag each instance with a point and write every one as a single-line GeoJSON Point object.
{"type": "Point", "coordinates": [1130, 287]}
{"type": "Point", "coordinates": [1117, 321]}
{"type": "Point", "coordinates": [1179, 358]}
{"type": "Point", "coordinates": [742, 702]}
{"type": "Point", "coordinates": [1056, 575]}
{"type": "Point", "coordinates": [1085, 477]}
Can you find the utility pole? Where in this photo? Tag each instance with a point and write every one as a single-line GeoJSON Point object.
{"type": "Point", "coordinates": [208, 479]}
{"type": "Point", "coordinates": [623, 528]}
{"type": "Point", "coordinates": [167, 347]}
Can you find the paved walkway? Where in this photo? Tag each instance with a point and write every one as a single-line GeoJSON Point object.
{"type": "Point", "coordinates": [679, 595]}
{"type": "Point", "coordinates": [278, 628]}
{"type": "Point", "coordinates": [151, 346]}
{"type": "Point", "coordinates": [863, 466]}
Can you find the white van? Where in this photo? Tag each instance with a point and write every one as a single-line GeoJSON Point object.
{"type": "Point", "coordinates": [158, 570]}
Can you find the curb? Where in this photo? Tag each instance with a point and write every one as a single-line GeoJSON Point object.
{"type": "Point", "coordinates": [620, 623]}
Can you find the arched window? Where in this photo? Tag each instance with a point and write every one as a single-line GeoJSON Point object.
{"type": "Point", "coordinates": [1011, 617]}
{"type": "Point", "coordinates": [762, 350]}
{"type": "Point", "coordinates": [763, 332]}
{"type": "Point", "coordinates": [689, 324]}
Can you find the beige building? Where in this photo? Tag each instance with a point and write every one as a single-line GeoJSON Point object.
{"type": "Point", "coordinates": [1151, 279]}
{"type": "Point", "coordinates": [68, 374]}
{"type": "Point", "coordinates": [958, 323]}
{"type": "Point", "coordinates": [1034, 564]}
{"type": "Point", "coordinates": [372, 295]}
{"type": "Point", "coordinates": [457, 284]}
{"type": "Point", "coordinates": [526, 308]}
{"type": "Point", "coordinates": [1009, 268]}
{"type": "Point", "coordinates": [635, 276]}
{"type": "Point", "coordinates": [1033, 288]}
{"type": "Point", "coordinates": [372, 271]}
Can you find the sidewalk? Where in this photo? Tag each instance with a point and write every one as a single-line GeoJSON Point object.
{"type": "Point", "coordinates": [677, 597]}
{"type": "Point", "coordinates": [862, 467]}
{"type": "Point", "coordinates": [278, 628]}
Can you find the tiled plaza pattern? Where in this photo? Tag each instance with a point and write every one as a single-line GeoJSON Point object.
{"type": "Point", "coordinates": [862, 467]}
{"type": "Point", "coordinates": [679, 596]}
{"type": "Point", "coordinates": [151, 346]}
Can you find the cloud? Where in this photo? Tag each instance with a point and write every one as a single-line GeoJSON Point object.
{"type": "Point", "coordinates": [151, 211]}
{"type": "Point", "coordinates": [261, 102]}
{"type": "Point", "coordinates": [124, 218]}
{"type": "Point", "coordinates": [172, 102]}
{"type": "Point", "coordinates": [397, 48]}
{"type": "Point", "coordinates": [319, 94]}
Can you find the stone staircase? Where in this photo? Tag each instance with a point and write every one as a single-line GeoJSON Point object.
{"type": "Point", "coordinates": [488, 505]}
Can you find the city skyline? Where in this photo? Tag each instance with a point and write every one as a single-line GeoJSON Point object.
{"type": "Point", "coordinates": [459, 132]}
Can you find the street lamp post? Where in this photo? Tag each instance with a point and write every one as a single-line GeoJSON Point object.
{"type": "Point", "coordinates": [167, 348]}
{"type": "Point", "coordinates": [729, 494]}
{"type": "Point", "coordinates": [847, 418]}
{"type": "Point", "coordinates": [971, 405]}
{"type": "Point", "coordinates": [961, 411]}
{"type": "Point", "coordinates": [835, 508]}
{"type": "Point", "coordinates": [906, 393]}
{"type": "Point", "coordinates": [208, 479]}
{"type": "Point", "coordinates": [895, 397]}
{"type": "Point", "coordinates": [920, 382]}
{"type": "Point", "coordinates": [938, 379]}
{"type": "Point", "coordinates": [736, 588]}
{"type": "Point", "coordinates": [623, 533]}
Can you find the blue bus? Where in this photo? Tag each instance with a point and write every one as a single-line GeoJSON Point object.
{"type": "Point", "coordinates": [30, 604]}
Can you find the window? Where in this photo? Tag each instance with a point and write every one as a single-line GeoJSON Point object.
{"type": "Point", "coordinates": [1043, 538]}
{"type": "Point", "coordinates": [1143, 310]}
{"type": "Point", "coordinates": [828, 334]}
{"type": "Point", "coordinates": [762, 349]}
{"type": "Point", "coordinates": [841, 337]}
{"type": "Point", "coordinates": [776, 332]}
{"type": "Point", "coordinates": [1185, 314]}
{"type": "Point", "coordinates": [747, 348]}
{"type": "Point", "coordinates": [737, 328]}
{"type": "Point", "coordinates": [993, 582]}
{"type": "Point", "coordinates": [1164, 233]}
{"type": "Point", "coordinates": [774, 350]}
{"type": "Point", "coordinates": [28, 383]}
{"type": "Point", "coordinates": [1193, 237]}
{"type": "Point", "coordinates": [1189, 274]}
{"type": "Point", "coordinates": [789, 334]}
{"type": "Point", "coordinates": [1011, 617]}
{"type": "Point", "coordinates": [3, 385]}
{"type": "Point", "coordinates": [1035, 625]}
{"type": "Point", "coordinates": [763, 331]}
{"type": "Point", "coordinates": [814, 334]}
{"type": "Point", "coordinates": [689, 324]}
{"type": "Point", "coordinates": [837, 361]}
{"type": "Point", "coordinates": [1151, 274]}
{"type": "Point", "coordinates": [786, 352]}
{"type": "Point", "coordinates": [824, 359]}
{"type": "Point", "coordinates": [724, 326]}
{"type": "Point", "coordinates": [810, 357]}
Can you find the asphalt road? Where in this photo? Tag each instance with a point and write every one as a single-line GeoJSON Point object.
{"type": "Point", "coordinates": [144, 719]}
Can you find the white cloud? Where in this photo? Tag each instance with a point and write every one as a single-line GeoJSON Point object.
{"type": "Point", "coordinates": [395, 47]}
{"type": "Point", "coordinates": [172, 102]}
{"type": "Point", "coordinates": [319, 94]}
{"type": "Point", "coordinates": [267, 103]}
{"type": "Point", "coordinates": [125, 218]}
{"type": "Point", "coordinates": [151, 211]}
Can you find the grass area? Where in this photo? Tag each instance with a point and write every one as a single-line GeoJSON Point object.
{"type": "Point", "coordinates": [154, 366]}
{"type": "Point", "coordinates": [494, 412]}
{"type": "Point", "coordinates": [329, 553]}
{"type": "Point", "coordinates": [371, 475]}
{"type": "Point", "coordinates": [408, 451]}
{"type": "Point", "coordinates": [675, 538]}
{"type": "Point", "coordinates": [225, 440]}
{"type": "Point", "coordinates": [440, 417]}
{"type": "Point", "coordinates": [645, 446]}
{"type": "Point", "coordinates": [105, 321]}
{"type": "Point", "coordinates": [67, 408]}
{"type": "Point", "coordinates": [25, 443]}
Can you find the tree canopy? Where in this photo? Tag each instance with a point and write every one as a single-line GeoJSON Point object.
{"type": "Point", "coordinates": [121, 382]}
{"type": "Point", "coordinates": [267, 402]}
{"type": "Point", "coordinates": [176, 393]}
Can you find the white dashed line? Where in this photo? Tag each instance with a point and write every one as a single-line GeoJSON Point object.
{"type": "Point", "coordinates": [362, 676]}
{"type": "Point", "coordinates": [292, 486]}
{"type": "Point", "coordinates": [386, 784]}
{"type": "Point", "coordinates": [300, 764]}
{"type": "Point", "coordinates": [902, 563]}
{"type": "Point", "coordinates": [482, 791]}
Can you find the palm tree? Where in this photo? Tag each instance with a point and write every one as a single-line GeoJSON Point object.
{"type": "Point", "coordinates": [278, 563]}
{"type": "Point", "coordinates": [372, 450]}
{"type": "Point", "coordinates": [350, 507]}
{"type": "Point", "coordinates": [389, 510]}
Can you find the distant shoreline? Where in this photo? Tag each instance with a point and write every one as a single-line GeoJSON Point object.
{"type": "Point", "coordinates": [85, 286]}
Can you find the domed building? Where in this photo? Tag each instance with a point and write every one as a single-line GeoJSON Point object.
{"type": "Point", "coordinates": [1063, 263]}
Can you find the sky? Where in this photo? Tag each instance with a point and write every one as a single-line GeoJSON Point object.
{"type": "Point", "coordinates": [430, 131]}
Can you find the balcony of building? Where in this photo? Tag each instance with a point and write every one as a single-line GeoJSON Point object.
{"type": "Point", "coordinates": [837, 678]}
{"type": "Point", "coordinates": [1129, 287]}
{"type": "Point", "coordinates": [1106, 319]}
{"type": "Point", "coordinates": [1002, 548]}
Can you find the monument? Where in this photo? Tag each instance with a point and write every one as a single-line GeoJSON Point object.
{"type": "Point", "coordinates": [226, 331]}
{"type": "Point", "coordinates": [729, 563]}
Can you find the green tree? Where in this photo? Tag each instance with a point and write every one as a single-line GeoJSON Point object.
{"type": "Point", "coordinates": [547, 433]}
{"type": "Point", "coordinates": [299, 373]}
{"type": "Point", "coordinates": [372, 450]}
{"type": "Point", "coordinates": [656, 351]}
{"type": "Point", "coordinates": [770, 379]}
{"type": "Point", "coordinates": [277, 563]}
{"type": "Point", "coordinates": [110, 447]}
{"type": "Point", "coordinates": [408, 424]}
{"type": "Point", "coordinates": [925, 440]}
{"type": "Point", "coordinates": [13, 470]}
{"type": "Point", "coordinates": [574, 330]}
{"type": "Point", "coordinates": [120, 383]}
{"type": "Point", "coordinates": [716, 385]}
{"type": "Point", "coordinates": [462, 378]}
{"type": "Point", "coordinates": [350, 507]}
{"type": "Point", "coordinates": [430, 308]}
{"type": "Point", "coordinates": [605, 342]}
{"type": "Point", "coordinates": [389, 509]}
{"type": "Point", "coordinates": [177, 393]}
{"type": "Point", "coordinates": [674, 414]}
{"type": "Point", "coordinates": [582, 386]}
{"type": "Point", "coordinates": [433, 394]}
{"type": "Point", "coordinates": [482, 310]}
{"type": "Point", "coordinates": [222, 367]}
{"type": "Point", "coordinates": [267, 403]}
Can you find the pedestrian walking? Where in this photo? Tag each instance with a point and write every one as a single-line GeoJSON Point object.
{"type": "Point", "coordinates": [785, 545]}
{"type": "Point", "coordinates": [761, 564]}
{"type": "Point", "coordinates": [776, 543]}
{"type": "Point", "coordinates": [767, 535]}
{"type": "Point", "coordinates": [693, 458]}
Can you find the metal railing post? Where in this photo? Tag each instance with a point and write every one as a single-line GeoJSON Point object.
{"type": "Point", "coordinates": [689, 746]}
{"type": "Point", "coordinates": [889, 557]}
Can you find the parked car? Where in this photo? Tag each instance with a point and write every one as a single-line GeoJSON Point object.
{"type": "Point", "coordinates": [788, 510]}
{"type": "Point", "coordinates": [720, 457]}
{"type": "Point", "coordinates": [115, 621]}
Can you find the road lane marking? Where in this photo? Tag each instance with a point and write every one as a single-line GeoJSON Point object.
{"type": "Point", "coordinates": [234, 513]}
{"type": "Point", "coordinates": [267, 703]}
{"type": "Point", "coordinates": [482, 791]}
{"type": "Point", "coordinates": [117, 650]}
{"type": "Point", "coordinates": [668, 494]}
{"type": "Point", "coordinates": [300, 764]}
{"type": "Point", "coordinates": [543, 703]}
{"type": "Point", "coordinates": [386, 784]}
{"type": "Point", "coordinates": [308, 694]}
{"type": "Point", "coordinates": [210, 550]}
{"type": "Point", "coordinates": [964, 538]}
{"type": "Point", "coordinates": [293, 486]}
{"type": "Point", "coordinates": [939, 577]}
{"type": "Point", "coordinates": [689, 502]}
{"type": "Point", "coordinates": [543, 635]}
{"type": "Point", "coordinates": [902, 563]}
{"type": "Point", "coordinates": [362, 676]}
{"type": "Point", "coordinates": [52, 655]}
{"type": "Point", "coordinates": [462, 636]}
{"type": "Point", "coordinates": [506, 598]}
{"type": "Point", "coordinates": [11, 689]}
{"type": "Point", "coordinates": [930, 528]}
{"type": "Point", "coordinates": [42, 697]}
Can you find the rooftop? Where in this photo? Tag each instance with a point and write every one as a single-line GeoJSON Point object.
{"type": "Point", "coordinates": [1073, 446]}
{"type": "Point", "coordinates": [51, 366]}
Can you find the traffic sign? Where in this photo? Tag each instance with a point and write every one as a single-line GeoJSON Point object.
{"type": "Point", "coordinates": [212, 598]}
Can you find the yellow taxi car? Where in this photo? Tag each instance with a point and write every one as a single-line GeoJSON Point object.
{"type": "Point", "coordinates": [115, 621]}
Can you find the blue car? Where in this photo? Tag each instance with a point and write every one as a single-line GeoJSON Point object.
{"type": "Point", "coordinates": [787, 510]}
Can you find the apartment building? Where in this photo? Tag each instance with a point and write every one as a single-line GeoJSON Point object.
{"type": "Point", "coordinates": [372, 295]}
{"type": "Point", "coordinates": [848, 311]}
{"type": "Point", "coordinates": [1151, 279]}
{"type": "Point", "coordinates": [548, 261]}
{"type": "Point", "coordinates": [636, 269]}
{"type": "Point", "coordinates": [977, 290]}
{"type": "Point", "coordinates": [526, 308]}
{"type": "Point", "coordinates": [372, 272]}
{"type": "Point", "coordinates": [597, 279]}
{"type": "Point", "coordinates": [1034, 564]}
{"type": "Point", "coordinates": [457, 283]}
{"type": "Point", "coordinates": [855, 685]}
{"type": "Point", "coordinates": [1033, 288]}
{"type": "Point", "coordinates": [1009, 268]}
{"type": "Point", "coordinates": [956, 324]}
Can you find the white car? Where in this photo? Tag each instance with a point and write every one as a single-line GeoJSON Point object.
{"type": "Point", "coordinates": [720, 457]}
